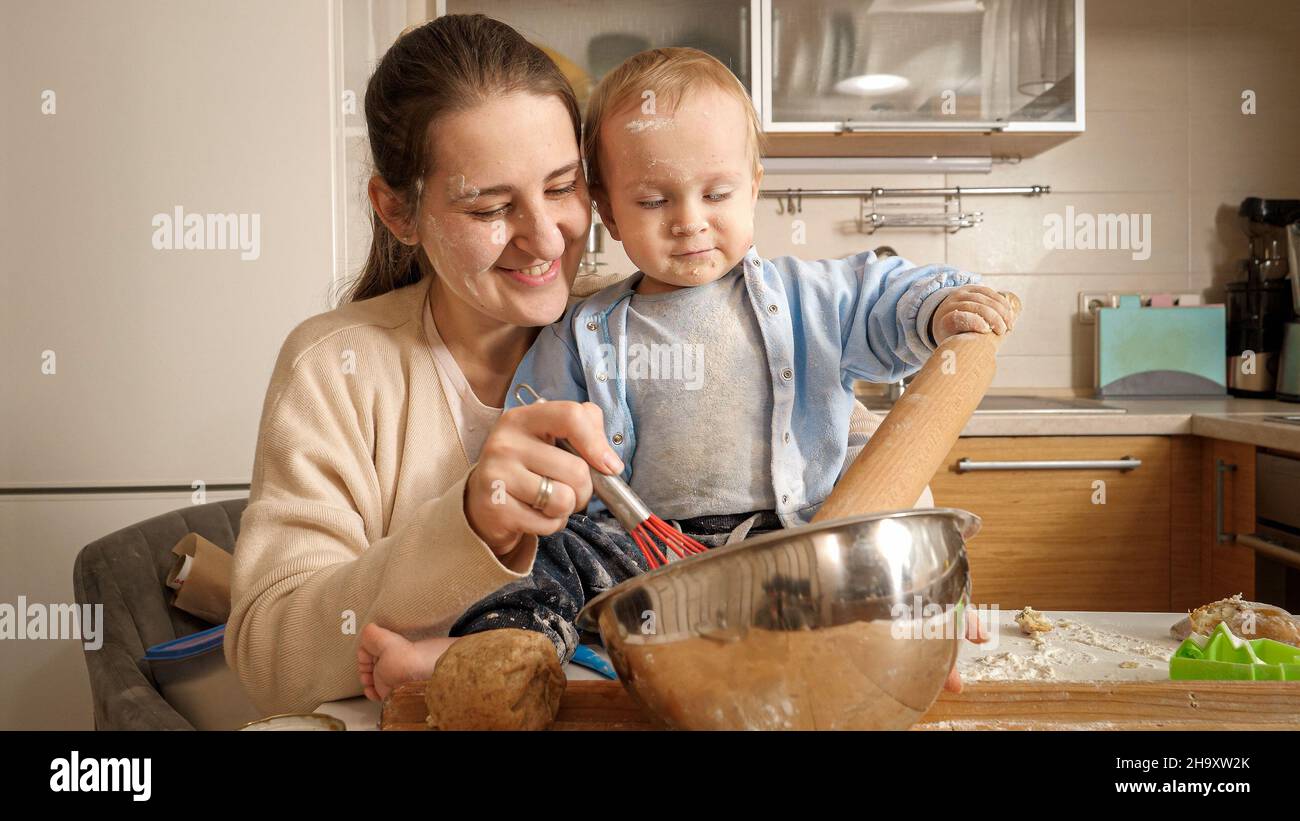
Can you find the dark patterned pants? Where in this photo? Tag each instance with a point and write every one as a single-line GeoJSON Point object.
{"type": "Point", "coordinates": [574, 566]}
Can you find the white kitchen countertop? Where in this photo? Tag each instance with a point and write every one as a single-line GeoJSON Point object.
{"type": "Point", "coordinates": [1069, 653]}
{"type": "Point", "coordinates": [1089, 646]}
{"type": "Point", "coordinates": [1230, 418]}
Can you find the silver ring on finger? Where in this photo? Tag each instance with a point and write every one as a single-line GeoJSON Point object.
{"type": "Point", "coordinates": [544, 493]}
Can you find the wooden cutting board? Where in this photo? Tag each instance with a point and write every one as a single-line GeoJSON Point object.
{"type": "Point", "coordinates": [1002, 705]}
{"type": "Point", "coordinates": [586, 705]}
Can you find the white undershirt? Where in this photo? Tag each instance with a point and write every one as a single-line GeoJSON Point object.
{"type": "Point", "coordinates": [701, 399]}
{"type": "Point", "coordinates": [473, 418]}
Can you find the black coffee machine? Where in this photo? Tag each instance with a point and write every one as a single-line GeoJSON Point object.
{"type": "Point", "coordinates": [1261, 305]}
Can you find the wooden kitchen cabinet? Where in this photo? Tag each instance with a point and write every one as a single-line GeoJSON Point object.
{"type": "Point", "coordinates": [1227, 568]}
{"type": "Point", "coordinates": [1050, 539]}
{"type": "Point", "coordinates": [1208, 474]}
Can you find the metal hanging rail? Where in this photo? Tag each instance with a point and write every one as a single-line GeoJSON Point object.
{"type": "Point", "coordinates": [871, 217]}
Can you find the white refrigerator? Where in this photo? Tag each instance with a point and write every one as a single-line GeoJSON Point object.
{"type": "Point", "coordinates": [169, 211]}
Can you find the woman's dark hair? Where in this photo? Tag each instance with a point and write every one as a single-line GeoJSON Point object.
{"type": "Point", "coordinates": [447, 65]}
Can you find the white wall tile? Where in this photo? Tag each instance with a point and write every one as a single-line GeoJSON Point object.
{"type": "Point", "coordinates": [1012, 239]}
{"type": "Point", "coordinates": [1120, 151]}
{"type": "Point", "coordinates": [1171, 13]}
{"type": "Point", "coordinates": [1049, 322]}
{"type": "Point", "coordinates": [1135, 67]}
{"type": "Point", "coordinates": [1276, 15]}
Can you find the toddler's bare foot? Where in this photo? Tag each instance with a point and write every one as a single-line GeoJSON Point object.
{"type": "Point", "coordinates": [386, 659]}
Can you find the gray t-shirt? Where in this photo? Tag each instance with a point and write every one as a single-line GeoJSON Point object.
{"type": "Point", "coordinates": [700, 395]}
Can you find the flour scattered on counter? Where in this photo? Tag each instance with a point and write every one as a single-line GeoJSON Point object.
{"type": "Point", "coordinates": [1073, 651]}
{"type": "Point", "coordinates": [1040, 665]}
{"type": "Point", "coordinates": [1115, 642]}
{"type": "Point", "coordinates": [998, 724]}
{"type": "Point", "coordinates": [959, 724]}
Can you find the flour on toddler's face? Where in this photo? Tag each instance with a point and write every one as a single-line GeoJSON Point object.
{"type": "Point", "coordinates": [678, 186]}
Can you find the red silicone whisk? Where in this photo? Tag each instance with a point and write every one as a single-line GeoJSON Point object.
{"type": "Point", "coordinates": [646, 529]}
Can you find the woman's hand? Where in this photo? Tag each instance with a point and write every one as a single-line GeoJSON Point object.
{"type": "Point", "coordinates": [976, 308]}
{"type": "Point", "coordinates": [518, 453]}
{"type": "Point", "coordinates": [976, 634]}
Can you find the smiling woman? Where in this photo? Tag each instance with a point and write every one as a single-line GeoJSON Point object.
{"type": "Point", "coordinates": [480, 228]}
{"type": "Point", "coordinates": [389, 490]}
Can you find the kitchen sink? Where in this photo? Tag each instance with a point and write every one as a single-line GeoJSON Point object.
{"type": "Point", "coordinates": [1017, 405]}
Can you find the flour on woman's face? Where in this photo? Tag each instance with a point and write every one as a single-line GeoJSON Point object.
{"type": "Point", "coordinates": [506, 212]}
{"type": "Point", "coordinates": [460, 191]}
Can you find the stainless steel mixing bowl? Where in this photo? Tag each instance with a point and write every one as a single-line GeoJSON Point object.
{"type": "Point", "coordinates": [850, 624]}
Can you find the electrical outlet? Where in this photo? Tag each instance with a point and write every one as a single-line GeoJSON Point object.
{"type": "Point", "coordinates": [1090, 301]}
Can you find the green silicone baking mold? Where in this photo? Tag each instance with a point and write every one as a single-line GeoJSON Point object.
{"type": "Point", "coordinates": [1221, 655]}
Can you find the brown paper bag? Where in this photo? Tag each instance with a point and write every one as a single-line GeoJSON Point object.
{"type": "Point", "coordinates": [205, 592]}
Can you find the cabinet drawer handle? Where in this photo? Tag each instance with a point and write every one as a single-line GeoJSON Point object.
{"type": "Point", "coordinates": [1273, 550]}
{"type": "Point", "coordinates": [1126, 463]}
{"type": "Point", "coordinates": [1221, 467]}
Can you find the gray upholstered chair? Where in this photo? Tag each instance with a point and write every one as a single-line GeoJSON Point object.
{"type": "Point", "coordinates": [126, 571]}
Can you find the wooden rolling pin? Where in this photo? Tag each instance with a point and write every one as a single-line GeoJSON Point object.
{"type": "Point", "coordinates": [910, 445]}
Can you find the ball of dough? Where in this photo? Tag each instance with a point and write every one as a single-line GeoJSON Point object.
{"type": "Point", "coordinates": [1032, 622]}
{"type": "Point", "coordinates": [496, 680]}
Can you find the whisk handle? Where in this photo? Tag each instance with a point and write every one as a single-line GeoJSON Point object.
{"type": "Point", "coordinates": [626, 506]}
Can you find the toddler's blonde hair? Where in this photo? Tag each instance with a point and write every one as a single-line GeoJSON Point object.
{"type": "Point", "coordinates": [668, 73]}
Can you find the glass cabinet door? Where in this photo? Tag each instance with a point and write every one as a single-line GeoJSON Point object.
{"type": "Point", "coordinates": [878, 65]}
{"type": "Point", "coordinates": [587, 39]}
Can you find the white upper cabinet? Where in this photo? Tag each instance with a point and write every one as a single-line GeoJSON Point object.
{"type": "Point", "coordinates": [922, 65]}
{"type": "Point", "coordinates": [587, 39]}
{"type": "Point", "coordinates": [842, 66]}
